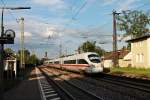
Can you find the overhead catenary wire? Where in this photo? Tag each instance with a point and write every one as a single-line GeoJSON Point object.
{"type": "Point", "coordinates": [9, 11]}
{"type": "Point", "coordinates": [85, 3]}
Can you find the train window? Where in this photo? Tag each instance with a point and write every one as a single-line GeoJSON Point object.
{"type": "Point", "coordinates": [56, 62]}
{"type": "Point", "coordinates": [70, 62]}
{"type": "Point", "coordinates": [94, 58]}
{"type": "Point", "coordinates": [82, 61]}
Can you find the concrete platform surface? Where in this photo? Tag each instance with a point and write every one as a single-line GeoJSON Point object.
{"type": "Point", "coordinates": [27, 90]}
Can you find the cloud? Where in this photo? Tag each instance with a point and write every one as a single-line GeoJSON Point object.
{"type": "Point", "coordinates": [27, 34]}
{"type": "Point", "coordinates": [108, 2]}
{"type": "Point", "coordinates": [37, 31]}
{"type": "Point", "coordinates": [53, 4]}
{"type": "Point", "coordinates": [52, 33]}
{"type": "Point", "coordinates": [126, 5]}
{"type": "Point", "coordinates": [120, 5]}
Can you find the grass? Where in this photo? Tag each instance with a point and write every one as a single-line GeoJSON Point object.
{"type": "Point", "coordinates": [130, 71]}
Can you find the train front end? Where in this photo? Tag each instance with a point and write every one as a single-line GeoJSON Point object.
{"type": "Point", "coordinates": [95, 65]}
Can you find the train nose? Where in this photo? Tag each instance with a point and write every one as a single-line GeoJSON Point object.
{"type": "Point", "coordinates": [98, 65]}
{"type": "Point", "coordinates": [97, 68]}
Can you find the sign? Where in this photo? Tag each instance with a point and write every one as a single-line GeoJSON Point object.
{"type": "Point", "coordinates": [6, 40]}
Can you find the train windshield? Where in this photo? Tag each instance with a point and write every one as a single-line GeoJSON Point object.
{"type": "Point", "coordinates": [94, 58]}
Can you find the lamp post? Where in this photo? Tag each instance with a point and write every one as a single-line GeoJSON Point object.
{"type": "Point", "coordinates": [5, 40]}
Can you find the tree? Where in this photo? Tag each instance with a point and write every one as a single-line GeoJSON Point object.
{"type": "Point", "coordinates": [26, 55]}
{"type": "Point", "coordinates": [9, 51]}
{"type": "Point", "coordinates": [33, 60]}
{"type": "Point", "coordinates": [90, 46]}
{"type": "Point", "coordinates": [134, 23]}
{"type": "Point", "coordinates": [100, 51]}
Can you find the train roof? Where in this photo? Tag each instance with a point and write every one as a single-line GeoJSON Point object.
{"type": "Point", "coordinates": [71, 57]}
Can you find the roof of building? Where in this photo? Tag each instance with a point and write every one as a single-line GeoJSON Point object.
{"type": "Point", "coordinates": [120, 53]}
{"type": "Point", "coordinates": [139, 38]}
{"type": "Point", "coordinates": [128, 56]}
{"type": "Point", "coordinates": [10, 57]}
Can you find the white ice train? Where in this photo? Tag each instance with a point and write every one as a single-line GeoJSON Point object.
{"type": "Point", "coordinates": [88, 62]}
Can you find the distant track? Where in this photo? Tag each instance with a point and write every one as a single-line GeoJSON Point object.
{"type": "Point", "coordinates": [141, 85]}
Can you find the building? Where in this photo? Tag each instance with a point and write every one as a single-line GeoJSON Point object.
{"type": "Point", "coordinates": [140, 48]}
{"type": "Point", "coordinates": [44, 58]}
{"type": "Point", "coordinates": [10, 67]}
{"type": "Point", "coordinates": [123, 61]}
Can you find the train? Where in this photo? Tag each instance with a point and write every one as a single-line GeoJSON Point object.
{"type": "Point", "coordinates": [88, 63]}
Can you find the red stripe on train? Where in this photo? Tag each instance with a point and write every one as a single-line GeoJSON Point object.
{"type": "Point", "coordinates": [77, 65]}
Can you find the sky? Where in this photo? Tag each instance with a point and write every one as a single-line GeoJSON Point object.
{"type": "Point", "coordinates": [51, 23]}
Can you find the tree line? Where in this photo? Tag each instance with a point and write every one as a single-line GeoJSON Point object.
{"type": "Point", "coordinates": [30, 59]}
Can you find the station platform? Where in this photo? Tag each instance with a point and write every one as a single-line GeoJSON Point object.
{"type": "Point", "coordinates": [28, 89]}
{"type": "Point", "coordinates": [35, 87]}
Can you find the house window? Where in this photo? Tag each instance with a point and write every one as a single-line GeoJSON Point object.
{"type": "Point", "coordinates": [137, 58]}
{"type": "Point", "coordinates": [141, 58]}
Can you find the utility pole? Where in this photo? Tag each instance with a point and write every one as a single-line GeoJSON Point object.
{"type": "Point", "coordinates": [1, 59]}
{"type": "Point", "coordinates": [60, 54]}
{"type": "Point", "coordinates": [22, 62]}
{"type": "Point", "coordinates": [115, 57]}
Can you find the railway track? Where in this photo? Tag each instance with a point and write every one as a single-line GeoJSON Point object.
{"type": "Point", "coordinates": [50, 88]}
{"type": "Point", "coordinates": [125, 88]}
{"type": "Point", "coordinates": [75, 92]}
{"type": "Point", "coordinates": [142, 85]}
{"type": "Point", "coordinates": [129, 84]}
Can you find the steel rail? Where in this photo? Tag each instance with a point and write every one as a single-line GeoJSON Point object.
{"type": "Point", "coordinates": [125, 83]}
{"type": "Point", "coordinates": [57, 85]}
{"type": "Point", "coordinates": [81, 89]}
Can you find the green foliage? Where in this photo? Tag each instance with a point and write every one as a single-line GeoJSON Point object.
{"type": "Point", "coordinates": [131, 71]}
{"type": "Point", "coordinates": [129, 46]}
{"type": "Point", "coordinates": [26, 55]}
{"type": "Point", "coordinates": [134, 23]}
{"type": "Point", "coordinates": [90, 46]}
{"type": "Point", "coordinates": [9, 51]}
{"type": "Point", "coordinates": [33, 59]}
{"type": "Point", "coordinates": [100, 51]}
